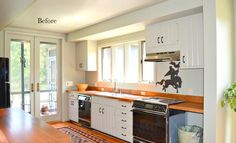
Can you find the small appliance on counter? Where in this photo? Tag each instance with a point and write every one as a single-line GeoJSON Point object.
{"type": "Point", "coordinates": [154, 122]}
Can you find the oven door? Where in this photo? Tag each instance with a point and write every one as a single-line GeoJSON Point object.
{"type": "Point", "coordinates": [84, 110]}
{"type": "Point", "coordinates": [149, 126]}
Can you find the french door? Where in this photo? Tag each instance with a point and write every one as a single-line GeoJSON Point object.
{"type": "Point", "coordinates": [46, 78]}
{"type": "Point", "coordinates": [34, 75]}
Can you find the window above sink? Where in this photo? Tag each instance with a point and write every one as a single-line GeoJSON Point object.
{"type": "Point", "coordinates": [125, 63]}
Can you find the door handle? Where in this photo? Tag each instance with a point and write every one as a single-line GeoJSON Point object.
{"type": "Point", "coordinates": [32, 87]}
{"type": "Point", "coordinates": [38, 87]}
{"type": "Point", "coordinates": [102, 110]}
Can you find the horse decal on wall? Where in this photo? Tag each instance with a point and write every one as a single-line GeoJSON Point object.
{"type": "Point", "coordinates": [175, 80]}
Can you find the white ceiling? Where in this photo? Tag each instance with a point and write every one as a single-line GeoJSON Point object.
{"type": "Point", "coordinates": [75, 14]}
{"type": "Point", "coordinates": [10, 9]}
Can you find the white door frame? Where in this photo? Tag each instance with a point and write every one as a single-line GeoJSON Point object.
{"type": "Point", "coordinates": [7, 54]}
{"type": "Point", "coordinates": [37, 78]}
{"type": "Point", "coordinates": [10, 33]}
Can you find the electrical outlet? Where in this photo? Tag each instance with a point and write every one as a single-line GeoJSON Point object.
{"type": "Point", "coordinates": [69, 83]}
{"type": "Point", "coordinates": [143, 93]}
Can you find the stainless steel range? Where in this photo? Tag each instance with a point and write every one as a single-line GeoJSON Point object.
{"type": "Point", "coordinates": [154, 122]}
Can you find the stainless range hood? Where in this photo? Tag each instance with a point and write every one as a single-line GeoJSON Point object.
{"type": "Point", "coordinates": [163, 56]}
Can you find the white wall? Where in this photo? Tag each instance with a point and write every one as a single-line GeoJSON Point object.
{"type": "Point", "coordinates": [70, 73]}
{"type": "Point", "coordinates": [225, 70]}
{"type": "Point", "coordinates": [192, 80]}
{"type": "Point", "coordinates": [164, 10]}
{"type": "Point", "coordinates": [219, 123]}
{"type": "Point", "coordinates": [1, 43]}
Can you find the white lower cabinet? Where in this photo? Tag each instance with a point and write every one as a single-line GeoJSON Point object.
{"type": "Point", "coordinates": [102, 117]}
{"type": "Point", "coordinates": [124, 125]}
{"type": "Point", "coordinates": [73, 109]}
{"type": "Point", "coordinates": [113, 117]}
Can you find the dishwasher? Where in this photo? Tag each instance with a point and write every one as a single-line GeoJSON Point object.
{"type": "Point", "coordinates": [85, 110]}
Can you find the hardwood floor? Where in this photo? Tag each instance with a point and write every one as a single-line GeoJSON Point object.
{"type": "Point", "coordinates": [92, 131]}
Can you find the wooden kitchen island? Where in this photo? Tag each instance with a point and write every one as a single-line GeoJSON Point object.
{"type": "Point", "coordinates": [20, 127]}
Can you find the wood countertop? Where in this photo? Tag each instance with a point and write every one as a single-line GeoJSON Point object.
{"type": "Point", "coordinates": [188, 105]}
{"type": "Point", "coordinates": [20, 127]}
{"type": "Point", "coordinates": [118, 96]}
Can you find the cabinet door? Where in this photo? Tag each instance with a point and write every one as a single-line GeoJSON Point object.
{"type": "Point", "coordinates": [191, 41]}
{"type": "Point", "coordinates": [96, 116]}
{"type": "Point", "coordinates": [151, 34]}
{"type": "Point", "coordinates": [109, 119]}
{"type": "Point", "coordinates": [169, 34]}
{"type": "Point", "coordinates": [81, 56]}
{"type": "Point", "coordinates": [73, 109]}
{"type": "Point", "coordinates": [162, 37]}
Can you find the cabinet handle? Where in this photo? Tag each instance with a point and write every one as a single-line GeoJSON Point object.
{"type": "Point", "coordinates": [81, 65]}
{"type": "Point", "coordinates": [162, 39]}
{"type": "Point", "coordinates": [123, 128]}
{"type": "Point", "coordinates": [123, 120]}
{"type": "Point", "coordinates": [123, 135]}
{"type": "Point", "coordinates": [123, 106]}
{"type": "Point", "coordinates": [99, 109]}
{"type": "Point", "coordinates": [123, 113]}
{"type": "Point", "coordinates": [158, 38]}
{"type": "Point", "coordinates": [183, 59]}
{"type": "Point", "coordinates": [102, 110]}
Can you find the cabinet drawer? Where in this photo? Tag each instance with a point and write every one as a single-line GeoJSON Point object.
{"type": "Point", "coordinates": [125, 133]}
{"type": "Point", "coordinates": [123, 120]}
{"type": "Point", "coordinates": [123, 105]}
{"type": "Point", "coordinates": [124, 114]}
{"type": "Point", "coordinates": [103, 100]}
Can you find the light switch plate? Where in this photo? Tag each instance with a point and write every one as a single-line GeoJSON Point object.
{"type": "Point", "coordinates": [69, 83]}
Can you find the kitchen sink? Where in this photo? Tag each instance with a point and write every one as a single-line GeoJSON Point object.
{"type": "Point", "coordinates": [110, 94]}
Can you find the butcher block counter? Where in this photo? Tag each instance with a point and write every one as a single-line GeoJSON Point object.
{"type": "Point", "coordinates": [190, 104]}
{"type": "Point", "coordinates": [17, 126]}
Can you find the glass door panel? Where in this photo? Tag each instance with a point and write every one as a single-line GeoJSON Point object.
{"type": "Point", "coordinates": [48, 78]}
{"type": "Point", "coordinates": [20, 74]}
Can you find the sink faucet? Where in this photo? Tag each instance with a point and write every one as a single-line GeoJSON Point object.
{"type": "Point", "coordinates": [115, 88]}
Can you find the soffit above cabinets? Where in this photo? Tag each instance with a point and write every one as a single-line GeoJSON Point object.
{"type": "Point", "coordinates": [10, 9]}
{"type": "Point", "coordinates": [72, 15]}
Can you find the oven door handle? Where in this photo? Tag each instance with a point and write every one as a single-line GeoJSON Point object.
{"type": "Point", "coordinates": [148, 111]}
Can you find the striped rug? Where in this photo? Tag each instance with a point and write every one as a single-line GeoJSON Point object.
{"type": "Point", "coordinates": [78, 136]}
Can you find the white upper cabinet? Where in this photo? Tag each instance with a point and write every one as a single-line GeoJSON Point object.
{"type": "Point", "coordinates": [191, 41]}
{"type": "Point", "coordinates": [86, 56]}
{"type": "Point", "coordinates": [183, 34]}
{"type": "Point", "coordinates": [162, 37]}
